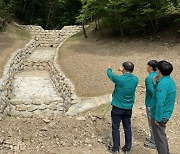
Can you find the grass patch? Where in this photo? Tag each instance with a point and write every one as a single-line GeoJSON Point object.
{"type": "Point", "coordinates": [21, 33]}
{"type": "Point", "coordinates": [76, 36]}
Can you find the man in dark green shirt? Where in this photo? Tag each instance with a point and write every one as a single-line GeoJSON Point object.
{"type": "Point", "coordinates": [122, 102]}
{"type": "Point", "coordinates": [162, 105]}
{"type": "Point", "coordinates": [149, 82]}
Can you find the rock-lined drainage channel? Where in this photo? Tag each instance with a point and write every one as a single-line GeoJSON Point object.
{"type": "Point", "coordinates": [34, 94]}
{"type": "Point", "coordinates": [37, 87]}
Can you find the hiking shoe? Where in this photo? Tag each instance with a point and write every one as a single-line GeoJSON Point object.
{"type": "Point", "coordinates": [112, 150]}
{"type": "Point", "coordinates": [115, 152]}
{"type": "Point", "coordinates": [150, 145]}
{"type": "Point", "coordinates": [125, 150]}
{"type": "Point", "coordinates": [148, 139]}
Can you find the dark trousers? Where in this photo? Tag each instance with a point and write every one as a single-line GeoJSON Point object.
{"type": "Point", "coordinates": [124, 115]}
{"type": "Point", "coordinates": [160, 137]}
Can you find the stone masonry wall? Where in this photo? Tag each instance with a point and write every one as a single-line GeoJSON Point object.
{"type": "Point", "coordinates": [12, 67]}
{"type": "Point", "coordinates": [51, 38]}
{"type": "Point", "coordinates": [20, 62]}
{"type": "Point", "coordinates": [60, 83]}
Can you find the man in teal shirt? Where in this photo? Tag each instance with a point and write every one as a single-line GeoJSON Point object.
{"type": "Point", "coordinates": [149, 82]}
{"type": "Point", "coordinates": [122, 103]}
{"type": "Point", "coordinates": [162, 105]}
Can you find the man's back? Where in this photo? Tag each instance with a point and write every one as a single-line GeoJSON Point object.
{"type": "Point", "coordinates": [165, 95]}
{"type": "Point", "coordinates": [124, 91]}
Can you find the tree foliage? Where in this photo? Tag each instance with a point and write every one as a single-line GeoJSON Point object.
{"type": "Point", "coordinates": [122, 16]}
{"type": "Point", "coordinates": [129, 16]}
{"type": "Point", "coordinates": [49, 14]}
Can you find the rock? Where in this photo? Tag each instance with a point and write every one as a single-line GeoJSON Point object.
{"type": "Point", "coordinates": [1, 140]}
{"type": "Point", "coordinates": [81, 118]}
{"type": "Point", "coordinates": [36, 102]}
{"type": "Point", "coordinates": [21, 107]}
{"type": "Point", "coordinates": [100, 140]}
{"type": "Point", "coordinates": [44, 129]}
{"type": "Point", "coordinates": [42, 107]}
{"type": "Point", "coordinates": [52, 124]}
{"type": "Point", "coordinates": [87, 141]}
{"type": "Point", "coordinates": [53, 107]}
{"type": "Point", "coordinates": [22, 146]}
{"type": "Point", "coordinates": [32, 108]}
{"type": "Point", "coordinates": [46, 120]}
{"type": "Point", "coordinates": [93, 118]}
{"type": "Point", "coordinates": [47, 113]}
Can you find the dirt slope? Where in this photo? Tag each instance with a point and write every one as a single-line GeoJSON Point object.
{"type": "Point", "coordinates": [84, 61]}
{"type": "Point", "coordinates": [12, 39]}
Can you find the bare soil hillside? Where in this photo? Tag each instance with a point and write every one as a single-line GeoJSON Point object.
{"type": "Point", "coordinates": [12, 39]}
{"type": "Point", "coordinates": [85, 61]}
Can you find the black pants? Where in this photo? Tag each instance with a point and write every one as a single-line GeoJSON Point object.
{"type": "Point", "coordinates": [124, 115]}
{"type": "Point", "coordinates": [160, 136]}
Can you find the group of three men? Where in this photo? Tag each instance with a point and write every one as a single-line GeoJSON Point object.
{"type": "Point", "coordinates": [160, 101]}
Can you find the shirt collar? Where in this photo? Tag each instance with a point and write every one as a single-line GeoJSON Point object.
{"type": "Point", "coordinates": [163, 77]}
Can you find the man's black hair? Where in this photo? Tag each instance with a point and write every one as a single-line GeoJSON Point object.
{"type": "Point", "coordinates": [153, 64]}
{"type": "Point", "coordinates": [165, 67]}
{"type": "Point", "coordinates": [128, 66]}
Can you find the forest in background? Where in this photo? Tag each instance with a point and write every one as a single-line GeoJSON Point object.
{"type": "Point", "coordinates": [50, 14]}
{"type": "Point", "coordinates": [124, 17]}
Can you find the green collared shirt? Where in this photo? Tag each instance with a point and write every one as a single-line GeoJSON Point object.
{"type": "Point", "coordinates": [124, 91]}
{"type": "Point", "coordinates": [149, 82]}
{"type": "Point", "coordinates": [163, 100]}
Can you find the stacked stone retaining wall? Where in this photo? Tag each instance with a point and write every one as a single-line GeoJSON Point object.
{"type": "Point", "coordinates": [51, 38]}
{"type": "Point", "coordinates": [13, 66]}
{"type": "Point", "coordinates": [20, 61]}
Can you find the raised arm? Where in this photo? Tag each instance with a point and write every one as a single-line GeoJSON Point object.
{"type": "Point", "coordinates": [112, 76]}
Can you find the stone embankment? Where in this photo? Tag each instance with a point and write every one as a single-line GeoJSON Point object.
{"type": "Point", "coordinates": [33, 84]}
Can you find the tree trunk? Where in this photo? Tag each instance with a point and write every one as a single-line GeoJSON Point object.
{"type": "Point", "coordinates": [49, 14]}
{"type": "Point", "coordinates": [84, 30]}
{"type": "Point", "coordinates": [96, 25]}
{"type": "Point", "coordinates": [32, 15]}
{"type": "Point", "coordinates": [144, 30]}
{"type": "Point", "coordinates": [154, 27]}
{"type": "Point", "coordinates": [23, 8]}
{"type": "Point", "coordinates": [157, 24]}
{"type": "Point", "coordinates": [120, 26]}
{"type": "Point", "coordinates": [99, 25]}
{"type": "Point", "coordinates": [19, 11]}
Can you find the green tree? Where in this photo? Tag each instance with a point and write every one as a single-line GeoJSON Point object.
{"type": "Point", "coordinates": [128, 16]}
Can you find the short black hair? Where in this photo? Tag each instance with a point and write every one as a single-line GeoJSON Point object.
{"type": "Point", "coordinates": [153, 64]}
{"type": "Point", "coordinates": [128, 66]}
{"type": "Point", "coordinates": [165, 67]}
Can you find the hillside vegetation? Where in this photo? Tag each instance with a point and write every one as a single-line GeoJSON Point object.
{"type": "Point", "coordinates": [123, 17]}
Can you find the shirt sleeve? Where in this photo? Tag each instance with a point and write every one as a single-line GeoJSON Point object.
{"type": "Point", "coordinates": [149, 86]}
{"type": "Point", "coordinates": [112, 76]}
{"type": "Point", "coordinates": [161, 93]}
